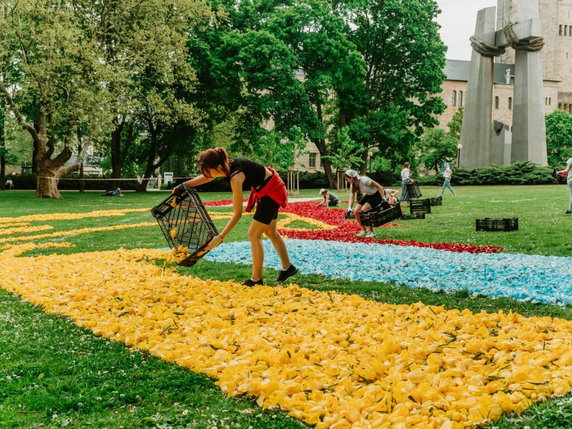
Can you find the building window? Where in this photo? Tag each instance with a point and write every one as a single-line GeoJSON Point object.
{"type": "Point", "coordinates": [312, 161]}
{"type": "Point", "coordinates": [560, 30]}
{"type": "Point", "coordinates": [560, 105]}
{"type": "Point", "coordinates": [460, 98]}
{"type": "Point", "coordinates": [454, 98]}
{"type": "Point", "coordinates": [496, 103]}
{"type": "Point", "coordinates": [509, 103]}
{"type": "Point", "coordinates": [550, 101]}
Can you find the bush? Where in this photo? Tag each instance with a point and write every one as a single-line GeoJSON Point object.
{"type": "Point", "coordinates": [519, 173]}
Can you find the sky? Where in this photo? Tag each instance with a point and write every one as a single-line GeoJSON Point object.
{"type": "Point", "coordinates": [457, 22]}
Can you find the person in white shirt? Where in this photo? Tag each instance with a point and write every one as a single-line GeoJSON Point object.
{"type": "Point", "coordinates": [569, 183]}
{"type": "Point", "coordinates": [373, 193]}
{"type": "Point", "coordinates": [447, 173]}
{"type": "Point", "coordinates": [405, 180]}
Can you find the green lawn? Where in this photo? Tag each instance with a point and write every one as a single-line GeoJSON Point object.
{"type": "Point", "coordinates": [54, 374]}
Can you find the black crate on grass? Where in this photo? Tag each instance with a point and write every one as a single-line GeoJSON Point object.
{"type": "Point", "coordinates": [488, 224]}
{"type": "Point", "coordinates": [185, 222]}
{"type": "Point", "coordinates": [378, 218]}
{"type": "Point", "coordinates": [413, 190]}
{"type": "Point", "coordinates": [437, 201]}
{"type": "Point", "coordinates": [413, 216]}
{"type": "Point", "coordinates": [420, 206]}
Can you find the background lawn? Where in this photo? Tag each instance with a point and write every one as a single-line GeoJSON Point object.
{"type": "Point", "coordinates": [54, 374]}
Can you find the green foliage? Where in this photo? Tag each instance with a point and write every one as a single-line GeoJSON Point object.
{"type": "Point", "coordinates": [435, 146]}
{"type": "Point", "coordinates": [558, 137]}
{"type": "Point", "coordinates": [345, 152]}
{"type": "Point", "coordinates": [456, 123]}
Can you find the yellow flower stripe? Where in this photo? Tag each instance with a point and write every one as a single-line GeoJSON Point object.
{"type": "Point", "coordinates": [25, 229]}
{"type": "Point", "coordinates": [291, 217]}
{"type": "Point", "coordinates": [15, 225]}
{"type": "Point", "coordinates": [68, 216]}
{"type": "Point", "coordinates": [76, 232]}
{"type": "Point", "coordinates": [333, 360]}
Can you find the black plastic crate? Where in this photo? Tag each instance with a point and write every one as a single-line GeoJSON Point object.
{"type": "Point", "coordinates": [488, 224]}
{"type": "Point", "coordinates": [378, 218]}
{"type": "Point", "coordinates": [413, 216]}
{"type": "Point", "coordinates": [413, 190]}
{"type": "Point", "coordinates": [437, 201]}
{"type": "Point", "coordinates": [560, 178]}
{"type": "Point", "coordinates": [420, 206]}
{"type": "Point", "coordinates": [185, 224]}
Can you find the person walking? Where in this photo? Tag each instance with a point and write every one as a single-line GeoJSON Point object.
{"type": "Point", "coordinates": [267, 192]}
{"type": "Point", "coordinates": [447, 173]}
{"type": "Point", "coordinates": [569, 183]}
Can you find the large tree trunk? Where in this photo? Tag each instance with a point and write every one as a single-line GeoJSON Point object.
{"type": "Point", "coordinates": [47, 181]}
{"type": "Point", "coordinates": [321, 145]}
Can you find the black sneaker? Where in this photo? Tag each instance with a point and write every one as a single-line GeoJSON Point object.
{"type": "Point", "coordinates": [251, 282]}
{"type": "Point", "coordinates": [285, 274]}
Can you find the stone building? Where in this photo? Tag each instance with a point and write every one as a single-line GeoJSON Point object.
{"type": "Point", "coordinates": [556, 24]}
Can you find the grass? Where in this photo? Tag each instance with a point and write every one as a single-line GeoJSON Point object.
{"type": "Point", "coordinates": [54, 374]}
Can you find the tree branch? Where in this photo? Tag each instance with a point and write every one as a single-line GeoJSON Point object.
{"type": "Point", "coordinates": [28, 127]}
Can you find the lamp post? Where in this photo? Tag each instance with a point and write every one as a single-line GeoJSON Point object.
{"type": "Point", "coordinates": [459, 147]}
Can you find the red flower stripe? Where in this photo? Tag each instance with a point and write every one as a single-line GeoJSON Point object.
{"type": "Point", "coordinates": [347, 229]}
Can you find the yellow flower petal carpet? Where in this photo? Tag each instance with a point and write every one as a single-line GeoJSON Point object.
{"type": "Point", "coordinates": [332, 360]}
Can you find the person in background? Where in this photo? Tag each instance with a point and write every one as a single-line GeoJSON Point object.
{"type": "Point", "coordinates": [392, 199]}
{"type": "Point", "coordinates": [569, 183]}
{"type": "Point", "coordinates": [267, 191]}
{"type": "Point", "coordinates": [373, 194]}
{"type": "Point", "coordinates": [330, 199]}
{"type": "Point", "coordinates": [9, 184]}
{"type": "Point", "coordinates": [447, 173]}
{"type": "Point", "coordinates": [405, 180]}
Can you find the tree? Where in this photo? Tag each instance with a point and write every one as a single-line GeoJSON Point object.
{"type": "Point", "coordinates": [435, 146]}
{"type": "Point", "coordinates": [404, 57]}
{"type": "Point", "coordinates": [558, 137]}
{"type": "Point", "coordinates": [52, 85]}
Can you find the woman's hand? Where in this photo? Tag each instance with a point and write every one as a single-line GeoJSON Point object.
{"type": "Point", "coordinates": [214, 242]}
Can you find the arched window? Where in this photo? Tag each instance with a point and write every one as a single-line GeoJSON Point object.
{"type": "Point", "coordinates": [454, 98]}
{"type": "Point", "coordinates": [497, 103]}
{"type": "Point", "coordinates": [560, 30]}
{"type": "Point", "coordinates": [460, 98]}
{"type": "Point", "coordinates": [509, 103]}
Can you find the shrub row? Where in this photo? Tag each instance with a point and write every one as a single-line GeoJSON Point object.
{"type": "Point", "coordinates": [519, 173]}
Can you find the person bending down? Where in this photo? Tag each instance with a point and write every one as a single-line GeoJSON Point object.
{"type": "Point", "coordinates": [373, 195]}
{"type": "Point", "coordinates": [267, 191]}
{"type": "Point", "coordinates": [330, 199]}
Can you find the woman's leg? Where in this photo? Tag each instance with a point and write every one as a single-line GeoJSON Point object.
{"type": "Point", "coordinates": [404, 192]}
{"type": "Point", "coordinates": [570, 192]}
{"type": "Point", "coordinates": [443, 188]}
{"type": "Point", "coordinates": [255, 237]}
{"type": "Point", "coordinates": [357, 216]}
{"type": "Point", "coordinates": [278, 244]}
{"type": "Point", "coordinates": [365, 208]}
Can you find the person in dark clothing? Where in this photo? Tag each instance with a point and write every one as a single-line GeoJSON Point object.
{"type": "Point", "coordinates": [268, 192]}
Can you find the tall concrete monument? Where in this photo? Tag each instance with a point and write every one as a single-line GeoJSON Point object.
{"type": "Point", "coordinates": [479, 139]}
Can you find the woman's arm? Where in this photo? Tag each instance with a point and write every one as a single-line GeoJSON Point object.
{"type": "Point", "coordinates": [379, 188]}
{"type": "Point", "coordinates": [237, 196]}
{"type": "Point", "coordinates": [352, 193]}
{"type": "Point", "coordinates": [197, 181]}
{"type": "Point", "coordinates": [567, 169]}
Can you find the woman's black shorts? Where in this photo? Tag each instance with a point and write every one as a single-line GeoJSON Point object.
{"type": "Point", "coordinates": [373, 200]}
{"type": "Point", "coordinates": [266, 210]}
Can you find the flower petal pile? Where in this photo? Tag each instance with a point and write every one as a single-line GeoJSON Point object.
{"type": "Point", "coordinates": [540, 279]}
{"type": "Point", "coordinates": [333, 360]}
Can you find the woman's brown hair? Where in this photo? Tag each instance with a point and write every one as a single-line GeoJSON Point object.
{"type": "Point", "coordinates": [211, 159]}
